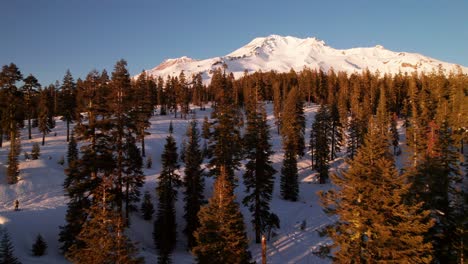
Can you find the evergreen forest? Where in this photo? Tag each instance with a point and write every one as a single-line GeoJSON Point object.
{"type": "Point", "coordinates": [397, 195]}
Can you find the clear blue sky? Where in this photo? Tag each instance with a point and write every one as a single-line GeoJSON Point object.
{"type": "Point", "coordinates": [47, 37]}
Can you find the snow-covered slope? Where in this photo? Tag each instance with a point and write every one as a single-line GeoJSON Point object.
{"type": "Point", "coordinates": [43, 204]}
{"type": "Point", "coordinates": [282, 54]}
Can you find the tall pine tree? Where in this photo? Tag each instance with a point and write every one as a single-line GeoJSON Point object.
{"type": "Point", "coordinates": [259, 173]}
{"type": "Point", "coordinates": [436, 182]}
{"type": "Point", "coordinates": [44, 125]}
{"type": "Point", "coordinates": [293, 122]}
{"type": "Point", "coordinates": [143, 107]}
{"type": "Point", "coordinates": [292, 132]}
{"type": "Point", "coordinates": [68, 101]}
{"type": "Point", "coordinates": [133, 177]}
{"type": "Point", "coordinates": [29, 89]}
{"type": "Point", "coordinates": [11, 116]}
{"type": "Point", "coordinates": [375, 224]}
{"type": "Point", "coordinates": [102, 235]}
{"type": "Point", "coordinates": [221, 237]}
{"type": "Point", "coordinates": [193, 181]}
{"type": "Point", "coordinates": [6, 249]}
{"type": "Point", "coordinates": [225, 144]}
{"type": "Point", "coordinates": [289, 185]}
{"type": "Point", "coordinates": [320, 142]}
{"type": "Point", "coordinates": [165, 226]}
{"type": "Point", "coordinates": [96, 162]}
{"type": "Point", "coordinates": [75, 186]}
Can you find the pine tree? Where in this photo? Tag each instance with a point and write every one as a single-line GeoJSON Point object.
{"type": "Point", "coordinates": [458, 111]}
{"type": "Point", "coordinates": [198, 91]}
{"type": "Point", "coordinates": [336, 135]}
{"type": "Point", "coordinates": [76, 185]}
{"type": "Point", "coordinates": [149, 162]}
{"type": "Point", "coordinates": [103, 235]}
{"type": "Point", "coordinates": [11, 108]}
{"type": "Point", "coordinates": [183, 95]}
{"type": "Point", "coordinates": [147, 208]}
{"type": "Point", "coordinates": [221, 237]}
{"type": "Point", "coordinates": [39, 247]}
{"type": "Point", "coordinates": [293, 122]}
{"type": "Point", "coordinates": [292, 132]}
{"type": "Point", "coordinates": [143, 109]}
{"type": "Point", "coordinates": [6, 249]}
{"type": "Point", "coordinates": [434, 183]}
{"type": "Point", "coordinates": [183, 147]}
{"type": "Point", "coordinates": [36, 151]}
{"type": "Point", "coordinates": [321, 141]}
{"type": "Point", "coordinates": [51, 105]}
{"type": "Point", "coordinates": [97, 162]}
{"type": "Point", "coordinates": [13, 164]}
{"type": "Point", "coordinates": [259, 173]}
{"type": "Point", "coordinates": [72, 151]}
{"type": "Point", "coordinates": [165, 225]}
{"type": "Point", "coordinates": [357, 126]}
{"type": "Point", "coordinates": [375, 224]}
{"type": "Point", "coordinates": [206, 134]}
{"type": "Point", "coordinates": [354, 134]}
{"type": "Point", "coordinates": [121, 137]}
{"type": "Point", "coordinates": [75, 218]}
{"type": "Point", "coordinates": [193, 181]}
{"type": "Point", "coordinates": [68, 100]}
{"type": "Point", "coordinates": [122, 125]}
{"type": "Point", "coordinates": [382, 116]}
{"type": "Point", "coordinates": [342, 103]}
{"type": "Point", "coordinates": [395, 136]}
{"type": "Point", "coordinates": [225, 143]}
{"type": "Point", "coordinates": [289, 184]}
{"type": "Point", "coordinates": [44, 124]}
{"type": "Point", "coordinates": [29, 92]}
{"type": "Point", "coordinates": [162, 98]}
{"type": "Point", "coordinates": [170, 94]}
{"type": "Point", "coordinates": [133, 177]}
{"type": "Point", "coordinates": [278, 104]}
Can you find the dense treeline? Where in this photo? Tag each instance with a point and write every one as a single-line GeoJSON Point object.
{"type": "Point", "coordinates": [358, 118]}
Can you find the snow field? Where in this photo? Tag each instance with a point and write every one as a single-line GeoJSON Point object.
{"type": "Point", "coordinates": [43, 204]}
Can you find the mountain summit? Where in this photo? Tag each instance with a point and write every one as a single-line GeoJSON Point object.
{"type": "Point", "coordinates": [279, 53]}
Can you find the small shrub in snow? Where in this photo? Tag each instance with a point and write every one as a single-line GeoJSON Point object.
{"type": "Point", "coordinates": [27, 156]}
{"type": "Point", "coordinates": [147, 208]}
{"type": "Point", "coordinates": [323, 251]}
{"type": "Point", "coordinates": [61, 161]}
{"type": "Point", "coordinates": [149, 162]}
{"type": "Point", "coordinates": [36, 151]}
{"type": "Point", "coordinates": [39, 247]}
{"type": "Point", "coordinates": [303, 225]}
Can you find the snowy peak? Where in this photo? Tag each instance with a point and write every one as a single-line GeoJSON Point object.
{"type": "Point", "coordinates": [171, 62]}
{"type": "Point", "coordinates": [283, 53]}
{"type": "Point", "coordinates": [274, 44]}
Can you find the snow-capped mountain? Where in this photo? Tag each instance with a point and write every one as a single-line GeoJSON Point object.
{"type": "Point", "coordinates": [282, 54]}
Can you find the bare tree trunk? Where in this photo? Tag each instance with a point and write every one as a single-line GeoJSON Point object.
{"type": "Point", "coordinates": [264, 250]}
{"type": "Point", "coordinates": [127, 204]}
{"type": "Point", "coordinates": [68, 131]}
{"type": "Point", "coordinates": [258, 234]}
{"type": "Point", "coordinates": [143, 151]}
{"type": "Point", "coordinates": [29, 128]}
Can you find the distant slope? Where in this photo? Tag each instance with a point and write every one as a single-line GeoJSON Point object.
{"type": "Point", "coordinates": [282, 54]}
